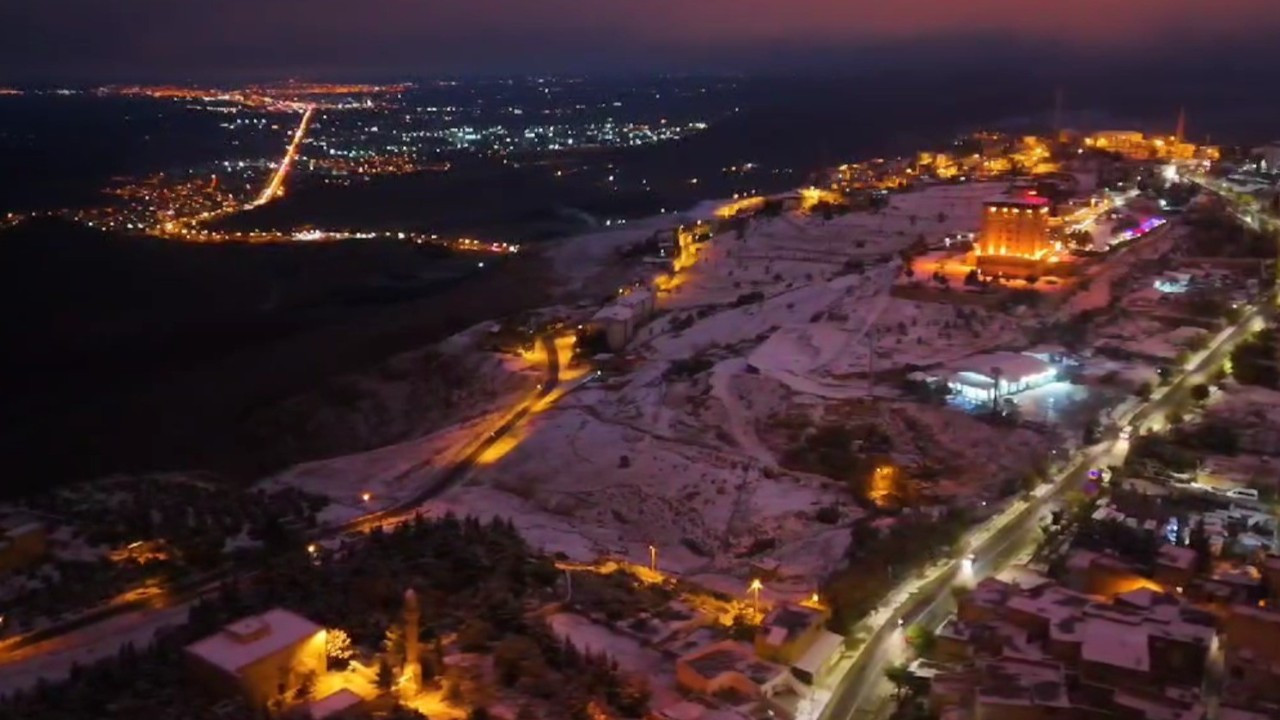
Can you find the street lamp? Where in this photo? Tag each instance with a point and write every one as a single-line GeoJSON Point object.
{"type": "Point", "coordinates": [365, 496]}
{"type": "Point", "coordinates": [653, 558]}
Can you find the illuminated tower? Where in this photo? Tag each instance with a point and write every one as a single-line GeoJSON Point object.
{"type": "Point", "coordinates": [1181, 131]}
{"type": "Point", "coordinates": [411, 675]}
{"type": "Point", "coordinates": [1057, 112]}
{"type": "Point", "coordinates": [1016, 228]}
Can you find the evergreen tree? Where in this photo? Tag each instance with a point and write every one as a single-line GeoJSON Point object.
{"type": "Point", "coordinates": [386, 678]}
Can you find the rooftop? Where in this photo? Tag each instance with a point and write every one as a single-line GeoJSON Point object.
{"type": "Point", "coordinates": [1012, 366]}
{"type": "Point", "coordinates": [730, 656]}
{"type": "Point", "coordinates": [823, 648]}
{"type": "Point", "coordinates": [333, 703]}
{"type": "Point", "coordinates": [1027, 682]}
{"type": "Point", "coordinates": [614, 312]}
{"type": "Point", "coordinates": [1021, 201]}
{"type": "Point", "coordinates": [1145, 598]}
{"type": "Point", "coordinates": [786, 621]}
{"type": "Point", "coordinates": [1055, 603]}
{"type": "Point", "coordinates": [1183, 558]}
{"type": "Point", "coordinates": [252, 638]}
{"type": "Point", "coordinates": [1118, 644]}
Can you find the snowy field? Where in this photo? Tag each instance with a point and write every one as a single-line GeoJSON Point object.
{"type": "Point", "coordinates": [683, 450]}
{"type": "Point", "coordinates": [483, 389]}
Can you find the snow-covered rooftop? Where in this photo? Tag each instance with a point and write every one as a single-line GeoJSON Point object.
{"type": "Point", "coordinates": [333, 703]}
{"type": "Point", "coordinates": [1117, 644]}
{"type": "Point", "coordinates": [252, 638]}
{"type": "Point", "coordinates": [1012, 366]}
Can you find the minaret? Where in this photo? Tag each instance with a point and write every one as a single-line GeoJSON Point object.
{"type": "Point", "coordinates": [1057, 113]}
{"type": "Point", "coordinates": [411, 674]}
{"type": "Point", "coordinates": [1181, 132]}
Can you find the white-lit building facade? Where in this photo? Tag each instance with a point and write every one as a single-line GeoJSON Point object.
{"type": "Point", "coordinates": [983, 378]}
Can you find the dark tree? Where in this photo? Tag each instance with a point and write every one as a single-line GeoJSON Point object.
{"type": "Point", "coordinates": [386, 677]}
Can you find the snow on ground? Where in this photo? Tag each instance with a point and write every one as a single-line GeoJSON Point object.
{"type": "Point", "coordinates": [52, 660]}
{"type": "Point", "coordinates": [832, 356]}
{"type": "Point", "coordinates": [780, 253]}
{"type": "Point", "coordinates": [682, 455]}
{"type": "Point", "coordinates": [588, 636]}
{"type": "Point", "coordinates": [631, 656]}
{"type": "Point", "coordinates": [622, 486]}
{"type": "Point", "coordinates": [408, 396]}
{"type": "Point", "coordinates": [389, 475]}
{"type": "Point", "coordinates": [1150, 339]}
{"type": "Point", "coordinates": [681, 451]}
{"type": "Point", "coordinates": [591, 259]}
{"type": "Point", "coordinates": [740, 426]}
{"type": "Point", "coordinates": [738, 324]}
{"type": "Point", "coordinates": [483, 387]}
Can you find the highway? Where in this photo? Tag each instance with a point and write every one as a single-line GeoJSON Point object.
{"type": "Point", "coordinates": [859, 691]}
{"type": "Point", "coordinates": [275, 186]}
{"type": "Point", "coordinates": [272, 190]}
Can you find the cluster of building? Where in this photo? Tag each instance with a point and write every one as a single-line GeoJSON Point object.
{"type": "Point", "coordinates": [980, 156]}
{"type": "Point", "coordinates": [149, 204]}
{"type": "Point", "coordinates": [279, 660]}
{"type": "Point", "coordinates": [1035, 649]}
{"type": "Point", "coordinates": [618, 321]}
{"type": "Point", "coordinates": [1113, 638]}
{"type": "Point", "coordinates": [772, 676]}
{"type": "Point", "coordinates": [673, 250]}
{"type": "Point", "coordinates": [1134, 145]}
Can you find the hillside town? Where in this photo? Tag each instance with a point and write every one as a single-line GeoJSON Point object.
{"type": "Point", "coordinates": [987, 432]}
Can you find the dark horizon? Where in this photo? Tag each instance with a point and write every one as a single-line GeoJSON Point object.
{"type": "Point", "coordinates": [83, 41]}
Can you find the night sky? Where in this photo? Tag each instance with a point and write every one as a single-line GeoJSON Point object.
{"type": "Point", "coordinates": [223, 39]}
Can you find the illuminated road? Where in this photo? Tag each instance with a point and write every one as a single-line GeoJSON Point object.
{"type": "Point", "coordinates": [1258, 219]}
{"type": "Point", "coordinates": [272, 190]}
{"type": "Point", "coordinates": [537, 401]}
{"type": "Point", "coordinates": [859, 687]}
{"type": "Point", "coordinates": [275, 186]}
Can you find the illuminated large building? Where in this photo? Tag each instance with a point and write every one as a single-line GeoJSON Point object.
{"type": "Point", "coordinates": [1129, 143]}
{"type": "Point", "coordinates": [1014, 239]}
{"type": "Point", "coordinates": [261, 657]}
{"type": "Point", "coordinates": [1017, 227]}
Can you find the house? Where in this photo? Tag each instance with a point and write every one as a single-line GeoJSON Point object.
{"type": "Point", "coordinates": [619, 320]}
{"type": "Point", "coordinates": [730, 671]}
{"type": "Point", "coordinates": [1175, 566]}
{"type": "Point", "coordinates": [1039, 650]}
{"type": "Point", "coordinates": [261, 656]}
{"type": "Point", "coordinates": [796, 635]}
{"type": "Point", "coordinates": [787, 631]}
{"type": "Point", "coordinates": [1104, 574]}
{"type": "Point", "coordinates": [1252, 649]}
{"type": "Point", "coordinates": [1021, 689]}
